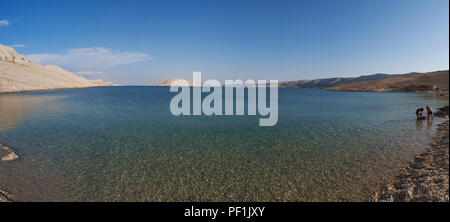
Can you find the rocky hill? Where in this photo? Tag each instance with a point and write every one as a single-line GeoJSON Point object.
{"type": "Point", "coordinates": [18, 74]}
{"type": "Point", "coordinates": [430, 81]}
{"type": "Point", "coordinates": [328, 82]}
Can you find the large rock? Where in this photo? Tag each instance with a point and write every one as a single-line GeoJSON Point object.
{"type": "Point", "coordinates": [442, 112]}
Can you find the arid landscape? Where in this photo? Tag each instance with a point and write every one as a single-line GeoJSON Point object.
{"type": "Point", "coordinates": [329, 82]}
{"type": "Point", "coordinates": [19, 74]}
{"type": "Point", "coordinates": [410, 82]}
{"type": "Point", "coordinates": [404, 83]}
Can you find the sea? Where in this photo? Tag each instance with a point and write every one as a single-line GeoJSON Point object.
{"type": "Point", "coordinates": [124, 144]}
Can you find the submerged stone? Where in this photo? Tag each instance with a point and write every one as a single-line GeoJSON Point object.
{"type": "Point", "coordinates": [4, 196]}
{"type": "Point", "coordinates": [10, 157]}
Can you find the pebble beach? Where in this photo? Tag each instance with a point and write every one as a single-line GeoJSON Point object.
{"type": "Point", "coordinates": [425, 179]}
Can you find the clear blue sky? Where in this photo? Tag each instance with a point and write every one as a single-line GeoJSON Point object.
{"type": "Point", "coordinates": [142, 42]}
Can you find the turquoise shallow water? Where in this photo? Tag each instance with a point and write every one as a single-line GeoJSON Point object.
{"type": "Point", "coordinates": [123, 144]}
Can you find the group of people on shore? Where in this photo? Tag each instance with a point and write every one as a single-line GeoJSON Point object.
{"type": "Point", "coordinates": [419, 113]}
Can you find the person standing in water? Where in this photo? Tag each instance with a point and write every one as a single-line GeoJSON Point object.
{"type": "Point", "coordinates": [419, 113]}
{"type": "Point", "coordinates": [429, 112]}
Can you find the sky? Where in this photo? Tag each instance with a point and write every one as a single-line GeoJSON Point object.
{"type": "Point", "coordinates": [143, 42]}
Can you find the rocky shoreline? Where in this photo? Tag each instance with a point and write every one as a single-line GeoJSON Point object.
{"type": "Point", "coordinates": [426, 178]}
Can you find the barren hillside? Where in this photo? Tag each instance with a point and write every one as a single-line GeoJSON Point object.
{"type": "Point", "coordinates": [410, 82]}
{"type": "Point", "coordinates": [328, 82]}
{"type": "Point", "coordinates": [18, 74]}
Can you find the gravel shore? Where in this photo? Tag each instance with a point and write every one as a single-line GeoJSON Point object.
{"type": "Point", "coordinates": [426, 178]}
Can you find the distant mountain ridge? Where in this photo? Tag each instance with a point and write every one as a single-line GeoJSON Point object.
{"type": "Point", "coordinates": [380, 82]}
{"type": "Point", "coordinates": [329, 82]}
{"type": "Point", "coordinates": [430, 81]}
{"type": "Point", "coordinates": [176, 82]}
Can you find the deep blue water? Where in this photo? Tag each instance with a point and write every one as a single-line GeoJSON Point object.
{"type": "Point", "coordinates": [123, 144]}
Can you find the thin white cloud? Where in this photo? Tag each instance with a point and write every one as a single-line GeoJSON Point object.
{"type": "Point", "coordinates": [87, 73]}
{"type": "Point", "coordinates": [4, 23]}
{"type": "Point", "coordinates": [18, 46]}
{"type": "Point", "coordinates": [89, 58]}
